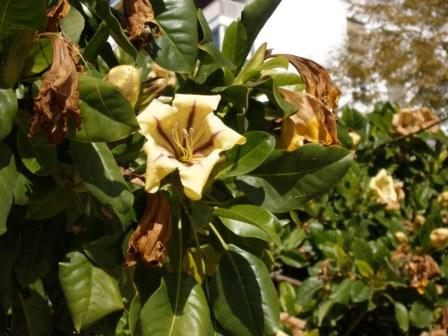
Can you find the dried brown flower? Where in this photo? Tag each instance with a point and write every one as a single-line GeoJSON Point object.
{"type": "Point", "coordinates": [58, 98]}
{"type": "Point", "coordinates": [140, 21]}
{"type": "Point", "coordinates": [312, 122]}
{"type": "Point", "coordinates": [421, 269]}
{"type": "Point", "coordinates": [148, 243]}
{"type": "Point", "coordinates": [55, 14]}
{"type": "Point", "coordinates": [407, 121]}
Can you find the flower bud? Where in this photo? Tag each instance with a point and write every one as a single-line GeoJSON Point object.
{"type": "Point", "coordinates": [401, 237]}
{"type": "Point", "coordinates": [443, 199]}
{"type": "Point", "coordinates": [127, 79]}
{"type": "Point", "coordinates": [439, 237]}
{"type": "Point", "coordinates": [356, 138]}
{"type": "Point", "coordinates": [419, 220]}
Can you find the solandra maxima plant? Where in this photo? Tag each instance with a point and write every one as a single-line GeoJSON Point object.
{"type": "Point", "coordinates": [145, 182]}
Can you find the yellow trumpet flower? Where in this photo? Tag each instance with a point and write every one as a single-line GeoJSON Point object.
{"type": "Point", "coordinates": [186, 136]}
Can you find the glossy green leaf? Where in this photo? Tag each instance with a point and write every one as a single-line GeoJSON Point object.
{"type": "Point", "coordinates": [36, 153]}
{"type": "Point", "coordinates": [249, 221]}
{"type": "Point", "coordinates": [73, 24]}
{"type": "Point", "coordinates": [38, 251]}
{"type": "Point", "coordinates": [8, 176]}
{"type": "Point", "coordinates": [177, 307]}
{"type": "Point", "coordinates": [361, 291]}
{"type": "Point", "coordinates": [244, 298]}
{"type": "Point", "coordinates": [177, 48]}
{"type": "Point", "coordinates": [341, 292]}
{"type": "Point", "coordinates": [106, 114]}
{"type": "Point", "coordinates": [235, 43]}
{"type": "Point", "coordinates": [102, 9]}
{"type": "Point", "coordinates": [98, 41]}
{"type": "Point", "coordinates": [22, 15]}
{"type": "Point", "coordinates": [402, 316]}
{"type": "Point", "coordinates": [90, 292]}
{"type": "Point", "coordinates": [287, 180]}
{"type": "Point", "coordinates": [101, 175]}
{"type": "Point", "coordinates": [8, 110]}
{"type": "Point", "coordinates": [241, 160]}
{"type": "Point", "coordinates": [104, 251]}
{"type": "Point", "coordinates": [254, 16]}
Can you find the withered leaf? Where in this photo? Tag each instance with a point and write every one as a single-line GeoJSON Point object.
{"type": "Point", "coordinates": [58, 97]}
{"type": "Point", "coordinates": [55, 14]}
{"type": "Point", "coordinates": [139, 17]}
{"type": "Point", "coordinates": [148, 243]}
{"type": "Point", "coordinates": [313, 122]}
{"type": "Point", "coordinates": [317, 80]}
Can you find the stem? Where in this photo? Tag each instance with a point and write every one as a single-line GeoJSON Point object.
{"type": "Point", "coordinates": [353, 325]}
{"type": "Point", "coordinates": [278, 277]}
{"type": "Point", "coordinates": [221, 240]}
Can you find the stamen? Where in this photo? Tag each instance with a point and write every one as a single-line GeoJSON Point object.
{"type": "Point", "coordinates": [183, 140]}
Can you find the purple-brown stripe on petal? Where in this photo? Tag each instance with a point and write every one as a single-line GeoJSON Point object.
{"type": "Point", "coordinates": [207, 144]}
{"type": "Point", "coordinates": [164, 136]}
{"type": "Point", "coordinates": [191, 116]}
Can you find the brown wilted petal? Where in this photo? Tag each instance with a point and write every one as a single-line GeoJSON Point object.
{"type": "Point", "coordinates": [312, 122]}
{"type": "Point", "coordinates": [148, 243]}
{"type": "Point", "coordinates": [58, 97]}
{"type": "Point", "coordinates": [317, 80]}
{"type": "Point", "coordinates": [421, 269]}
{"type": "Point", "coordinates": [140, 21]}
{"type": "Point", "coordinates": [55, 14]}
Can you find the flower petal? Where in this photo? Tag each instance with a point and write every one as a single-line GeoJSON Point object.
{"type": "Point", "coordinates": [193, 109]}
{"type": "Point", "coordinates": [194, 177]}
{"type": "Point", "coordinates": [159, 164]}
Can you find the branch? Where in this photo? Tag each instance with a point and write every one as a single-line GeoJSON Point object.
{"type": "Point", "coordinates": [441, 121]}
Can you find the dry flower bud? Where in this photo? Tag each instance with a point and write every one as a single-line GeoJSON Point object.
{"type": "Point", "coordinates": [439, 237]}
{"type": "Point", "coordinates": [148, 243]}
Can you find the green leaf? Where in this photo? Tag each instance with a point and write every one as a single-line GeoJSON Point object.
{"type": "Point", "coordinates": [36, 154]}
{"type": "Point", "coordinates": [177, 307]}
{"type": "Point", "coordinates": [40, 57]}
{"type": "Point", "coordinates": [402, 316]}
{"type": "Point", "coordinates": [106, 114]}
{"type": "Point", "coordinates": [37, 253]}
{"type": "Point", "coordinates": [235, 43]}
{"type": "Point", "coordinates": [361, 291]}
{"type": "Point", "coordinates": [354, 119]}
{"type": "Point", "coordinates": [287, 295]}
{"type": "Point", "coordinates": [177, 48]}
{"type": "Point", "coordinates": [364, 268]}
{"type": "Point", "coordinates": [102, 9]}
{"type": "Point", "coordinates": [9, 251]}
{"type": "Point", "coordinates": [341, 291]}
{"type": "Point", "coordinates": [31, 315]}
{"type": "Point", "coordinates": [104, 251]}
{"type": "Point", "coordinates": [420, 315]}
{"type": "Point", "coordinates": [241, 160]}
{"type": "Point", "coordinates": [249, 221]}
{"type": "Point", "coordinates": [50, 205]}
{"type": "Point", "coordinates": [17, 57]}
{"type": "Point", "coordinates": [252, 68]}
{"type": "Point", "coordinates": [22, 15]}
{"type": "Point", "coordinates": [286, 180]}
{"type": "Point", "coordinates": [90, 292]}
{"type": "Point", "coordinates": [98, 170]}
{"type": "Point", "coordinates": [8, 110]}
{"type": "Point", "coordinates": [244, 299]}
{"type": "Point", "coordinates": [96, 43]}
{"type": "Point", "coordinates": [73, 24]}
{"type": "Point", "coordinates": [254, 16]}
{"type": "Point", "coordinates": [8, 176]}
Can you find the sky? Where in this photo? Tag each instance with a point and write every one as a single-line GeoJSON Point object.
{"type": "Point", "coordinates": [308, 28]}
